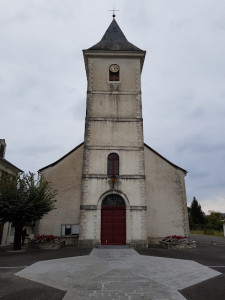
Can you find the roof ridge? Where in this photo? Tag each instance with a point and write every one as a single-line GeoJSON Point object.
{"type": "Point", "coordinates": [10, 164]}
{"type": "Point", "coordinates": [61, 158]}
{"type": "Point", "coordinates": [165, 159]}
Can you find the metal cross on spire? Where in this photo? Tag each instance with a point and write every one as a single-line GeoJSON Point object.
{"type": "Point", "coordinates": [113, 10]}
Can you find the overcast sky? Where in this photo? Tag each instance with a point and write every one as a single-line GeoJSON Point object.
{"type": "Point", "coordinates": [43, 81]}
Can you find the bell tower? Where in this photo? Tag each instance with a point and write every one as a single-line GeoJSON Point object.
{"type": "Point", "coordinates": [113, 176]}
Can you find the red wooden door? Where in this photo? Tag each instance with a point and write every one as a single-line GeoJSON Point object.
{"type": "Point", "coordinates": [113, 225]}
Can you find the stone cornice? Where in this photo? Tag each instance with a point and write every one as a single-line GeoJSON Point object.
{"type": "Point", "coordinates": [136, 207]}
{"type": "Point", "coordinates": [94, 207]}
{"type": "Point", "coordinates": [114, 119]}
{"type": "Point", "coordinates": [136, 93]}
{"type": "Point", "coordinates": [123, 148]}
{"type": "Point", "coordinates": [88, 207]}
{"type": "Point", "coordinates": [102, 176]}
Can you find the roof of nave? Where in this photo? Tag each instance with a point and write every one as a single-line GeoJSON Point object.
{"type": "Point", "coordinates": [165, 159]}
{"type": "Point", "coordinates": [64, 156]}
{"type": "Point", "coordinates": [56, 162]}
{"type": "Point", "coordinates": [114, 40]}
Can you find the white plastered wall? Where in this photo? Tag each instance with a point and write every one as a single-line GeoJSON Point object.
{"type": "Point", "coordinates": [166, 198]}
{"type": "Point", "coordinates": [65, 177]}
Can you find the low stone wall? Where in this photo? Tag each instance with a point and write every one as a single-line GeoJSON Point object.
{"type": "Point", "coordinates": [138, 244]}
{"type": "Point", "coordinates": [70, 240]}
{"type": "Point", "coordinates": [167, 245]}
{"type": "Point", "coordinates": [154, 240]}
{"type": "Point", "coordinates": [51, 245]}
{"type": "Point", "coordinates": [46, 246]}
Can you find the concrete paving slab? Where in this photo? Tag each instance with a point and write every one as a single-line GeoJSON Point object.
{"type": "Point", "coordinates": [117, 284]}
{"type": "Point", "coordinates": [64, 273]}
{"type": "Point", "coordinates": [175, 273]}
{"type": "Point", "coordinates": [118, 274]}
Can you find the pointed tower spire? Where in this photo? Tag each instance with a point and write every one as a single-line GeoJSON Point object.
{"type": "Point", "coordinates": [114, 40]}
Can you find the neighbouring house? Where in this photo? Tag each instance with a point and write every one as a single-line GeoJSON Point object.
{"type": "Point", "coordinates": [6, 234]}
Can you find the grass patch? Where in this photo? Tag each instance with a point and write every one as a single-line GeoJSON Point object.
{"type": "Point", "coordinates": [211, 232]}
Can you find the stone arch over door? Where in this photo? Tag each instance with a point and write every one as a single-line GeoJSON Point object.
{"type": "Point", "coordinates": [113, 220]}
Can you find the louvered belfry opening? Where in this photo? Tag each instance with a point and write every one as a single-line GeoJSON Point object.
{"type": "Point", "coordinates": [114, 76]}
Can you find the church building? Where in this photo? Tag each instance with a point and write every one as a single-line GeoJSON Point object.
{"type": "Point", "coordinates": [113, 189]}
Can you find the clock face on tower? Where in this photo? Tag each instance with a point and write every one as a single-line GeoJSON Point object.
{"type": "Point", "coordinates": [114, 68]}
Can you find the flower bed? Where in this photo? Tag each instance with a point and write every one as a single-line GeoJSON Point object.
{"type": "Point", "coordinates": [177, 242]}
{"type": "Point", "coordinates": [46, 242]}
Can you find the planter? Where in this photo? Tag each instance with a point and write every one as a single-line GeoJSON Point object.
{"type": "Point", "coordinates": [70, 240]}
{"type": "Point", "coordinates": [168, 245]}
{"type": "Point", "coordinates": [47, 246]}
{"type": "Point", "coordinates": [51, 245]}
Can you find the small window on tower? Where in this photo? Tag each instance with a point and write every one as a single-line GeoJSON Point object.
{"type": "Point", "coordinates": [114, 73]}
{"type": "Point", "coordinates": [113, 164]}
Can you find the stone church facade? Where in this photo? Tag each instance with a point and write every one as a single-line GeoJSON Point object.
{"type": "Point", "coordinates": [113, 189]}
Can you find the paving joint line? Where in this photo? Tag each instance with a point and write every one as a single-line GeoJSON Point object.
{"type": "Point", "coordinates": [13, 267]}
{"type": "Point", "coordinates": [216, 266]}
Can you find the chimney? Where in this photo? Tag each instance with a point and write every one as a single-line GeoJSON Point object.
{"type": "Point", "coordinates": [2, 148]}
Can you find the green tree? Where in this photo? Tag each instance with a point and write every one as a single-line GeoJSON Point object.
{"type": "Point", "coordinates": [196, 213]}
{"type": "Point", "coordinates": [24, 199]}
{"type": "Point", "coordinates": [214, 220]}
{"type": "Point", "coordinates": [191, 224]}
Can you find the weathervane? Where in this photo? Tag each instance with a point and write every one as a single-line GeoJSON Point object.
{"type": "Point", "coordinates": [113, 10]}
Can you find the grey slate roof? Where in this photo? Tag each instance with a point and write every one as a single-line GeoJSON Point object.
{"type": "Point", "coordinates": [115, 40]}
{"type": "Point", "coordinates": [9, 164]}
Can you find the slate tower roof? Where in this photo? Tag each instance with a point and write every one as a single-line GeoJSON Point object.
{"type": "Point", "coordinates": [114, 40]}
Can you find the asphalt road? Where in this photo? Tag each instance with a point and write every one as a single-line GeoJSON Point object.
{"type": "Point", "coordinates": [15, 288]}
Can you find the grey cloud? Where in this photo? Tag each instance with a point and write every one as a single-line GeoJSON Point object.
{"type": "Point", "coordinates": [43, 81]}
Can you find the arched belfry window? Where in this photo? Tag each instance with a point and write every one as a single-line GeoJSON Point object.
{"type": "Point", "coordinates": [113, 164]}
{"type": "Point", "coordinates": [114, 73]}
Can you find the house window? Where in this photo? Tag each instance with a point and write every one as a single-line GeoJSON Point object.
{"type": "Point", "coordinates": [69, 229]}
{"type": "Point", "coordinates": [113, 164]}
{"type": "Point", "coordinates": [114, 73]}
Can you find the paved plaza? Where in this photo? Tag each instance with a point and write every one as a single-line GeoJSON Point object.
{"type": "Point", "coordinates": [118, 274]}
{"type": "Point", "coordinates": [115, 273]}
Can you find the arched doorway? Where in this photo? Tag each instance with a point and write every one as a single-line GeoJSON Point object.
{"type": "Point", "coordinates": [113, 220]}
